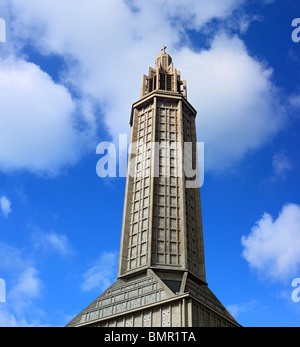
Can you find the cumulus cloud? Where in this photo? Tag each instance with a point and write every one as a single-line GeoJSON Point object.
{"type": "Point", "coordinates": [5, 206]}
{"type": "Point", "coordinates": [108, 46]}
{"type": "Point", "coordinates": [37, 130]}
{"type": "Point", "coordinates": [237, 104]}
{"type": "Point", "coordinates": [190, 13]}
{"type": "Point", "coordinates": [273, 246]}
{"type": "Point", "coordinates": [102, 273]}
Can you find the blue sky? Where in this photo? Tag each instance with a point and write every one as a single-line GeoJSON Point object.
{"type": "Point", "coordinates": [69, 73]}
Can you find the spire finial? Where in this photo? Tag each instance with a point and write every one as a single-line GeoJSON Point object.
{"type": "Point", "coordinates": [164, 49]}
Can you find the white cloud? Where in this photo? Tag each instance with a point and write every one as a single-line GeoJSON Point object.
{"type": "Point", "coordinates": [237, 309]}
{"type": "Point", "coordinates": [108, 47]}
{"type": "Point", "coordinates": [9, 320]}
{"type": "Point", "coordinates": [281, 164]}
{"type": "Point", "coordinates": [23, 286]}
{"type": "Point", "coordinates": [294, 101]}
{"type": "Point", "coordinates": [103, 273]}
{"type": "Point", "coordinates": [273, 246]}
{"type": "Point", "coordinates": [238, 107]}
{"type": "Point", "coordinates": [28, 285]}
{"type": "Point", "coordinates": [51, 241]}
{"type": "Point", "coordinates": [59, 242]}
{"type": "Point", "coordinates": [37, 129]}
{"type": "Point", "coordinates": [242, 21]}
{"type": "Point", "coordinates": [5, 206]}
{"type": "Point", "coordinates": [192, 13]}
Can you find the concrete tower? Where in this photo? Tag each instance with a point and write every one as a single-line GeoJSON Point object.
{"type": "Point", "coordinates": [161, 278]}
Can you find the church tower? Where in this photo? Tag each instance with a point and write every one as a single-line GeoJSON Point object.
{"type": "Point", "coordinates": [161, 278]}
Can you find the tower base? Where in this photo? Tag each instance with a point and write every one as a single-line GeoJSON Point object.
{"type": "Point", "coordinates": [156, 298]}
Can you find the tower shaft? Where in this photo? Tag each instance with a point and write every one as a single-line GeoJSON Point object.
{"type": "Point", "coordinates": [162, 224]}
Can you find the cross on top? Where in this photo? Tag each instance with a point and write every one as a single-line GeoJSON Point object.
{"type": "Point", "coordinates": [164, 49]}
